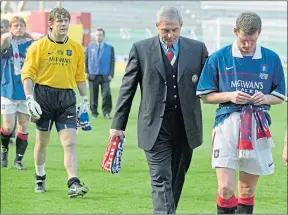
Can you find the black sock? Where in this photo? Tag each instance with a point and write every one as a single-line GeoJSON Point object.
{"type": "Point", "coordinates": [244, 209]}
{"type": "Point", "coordinates": [245, 205]}
{"type": "Point", "coordinates": [72, 181]}
{"type": "Point", "coordinates": [5, 141]}
{"type": "Point", "coordinates": [226, 206]}
{"type": "Point", "coordinates": [222, 210]}
{"type": "Point", "coordinates": [21, 145]}
{"type": "Point", "coordinates": [40, 178]}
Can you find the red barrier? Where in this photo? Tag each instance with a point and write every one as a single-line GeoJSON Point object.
{"type": "Point", "coordinates": [38, 22]}
{"type": "Point", "coordinates": [85, 20]}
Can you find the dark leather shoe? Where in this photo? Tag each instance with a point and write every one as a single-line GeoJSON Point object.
{"type": "Point", "coordinates": [107, 116]}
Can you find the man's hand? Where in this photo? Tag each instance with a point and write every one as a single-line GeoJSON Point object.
{"type": "Point", "coordinates": [239, 97]}
{"type": "Point", "coordinates": [34, 108]}
{"type": "Point", "coordinates": [259, 99]}
{"type": "Point", "coordinates": [109, 77]}
{"type": "Point", "coordinates": [114, 133]}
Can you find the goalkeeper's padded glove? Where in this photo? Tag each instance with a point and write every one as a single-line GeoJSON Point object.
{"type": "Point", "coordinates": [112, 160]}
{"type": "Point", "coordinates": [82, 115]}
{"type": "Point", "coordinates": [84, 106]}
{"type": "Point", "coordinates": [84, 121]}
{"type": "Point", "coordinates": [34, 109]}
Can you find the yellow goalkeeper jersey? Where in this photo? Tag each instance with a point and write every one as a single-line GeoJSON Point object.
{"type": "Point", "coordinates": [58, 65]}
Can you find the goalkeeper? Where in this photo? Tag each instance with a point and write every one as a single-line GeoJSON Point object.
{"type": "Point", "coordinates": [55, 65]}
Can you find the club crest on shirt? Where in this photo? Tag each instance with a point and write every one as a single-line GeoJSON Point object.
{"type": "Point", "coordinates": [194, 78]}
{"type": "Point", "coordinates": [264, 67]}
{"type": "Point", "coordinates": [69, 52]}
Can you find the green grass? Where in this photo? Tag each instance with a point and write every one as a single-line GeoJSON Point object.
{"type": "Point", "coordinates": [129, 191]}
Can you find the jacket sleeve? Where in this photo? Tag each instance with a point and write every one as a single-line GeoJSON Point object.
{"type": "Point", "coordinates": [204, 55]}
{"type": "Point", "coordinates": [127, 91]}
{"type": "Point", "coordinates": [86, 59]}
{"type": "Point", "coordinates": [112, 62]}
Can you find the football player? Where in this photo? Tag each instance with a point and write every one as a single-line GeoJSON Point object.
{"type": "Point", "coordinates": [55, 65]}
{"type": "Point", "coordinates": [13, 101]}
{"type": "Point", "coordinates": [245, 79]}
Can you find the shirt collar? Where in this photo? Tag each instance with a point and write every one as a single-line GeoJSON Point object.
{"type": "Point", "coordinates": [101, 44]}
{"type": "Point", "coordinates": [237, 53]}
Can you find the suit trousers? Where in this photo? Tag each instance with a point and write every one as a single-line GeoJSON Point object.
{"type": "Point", "coordinates": [169, 161]}
{"type": "Point", "coordinates": [100, 80]}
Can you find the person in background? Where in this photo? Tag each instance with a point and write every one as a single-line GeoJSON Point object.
{"type": "Point", "coordinates": [5, 29]}
{"type": "Point", "coordinates": [100, 61]}
{"type": "Point", "coordinates": [13, 105]}
{"type": "Point", "coordinates": [4, 26]}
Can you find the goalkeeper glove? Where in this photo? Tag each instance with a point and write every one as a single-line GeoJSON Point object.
{"type": "Point", "coordinates": [34, 109]}
{"type": "Point", "coordinates": [82, 113]}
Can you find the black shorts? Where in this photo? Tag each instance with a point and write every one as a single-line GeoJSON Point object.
{"type": "Point", "coordinates": [57, 105]}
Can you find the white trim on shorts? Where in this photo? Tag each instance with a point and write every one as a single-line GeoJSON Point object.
{"type": "Point", "coordinates": [10, 106]}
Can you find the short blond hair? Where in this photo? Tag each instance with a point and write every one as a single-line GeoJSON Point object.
{"type": "Point", "coordinates": [17, 19]}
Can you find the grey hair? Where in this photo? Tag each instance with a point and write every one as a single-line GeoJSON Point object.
{"type": "Point", "coordinates": [168, 12]}
{"type": "Point", "coordinates": [249, 23]}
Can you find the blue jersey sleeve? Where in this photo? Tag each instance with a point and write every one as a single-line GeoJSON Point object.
{"type": "Point", "coordinates": [278, 81]}
{"type": "Point", "coordinates": [208, 81]}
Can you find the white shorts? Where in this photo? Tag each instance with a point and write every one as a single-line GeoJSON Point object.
{"type": "Point", "coordinates": [225, 153]}
{"type": "Point", "coordinates": [9, 106]}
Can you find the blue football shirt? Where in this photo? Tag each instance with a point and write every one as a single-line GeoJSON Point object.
{"type": "Point", "coordinates": [227, 70]}
{"type": "Point", "coordinates": [11, 85]}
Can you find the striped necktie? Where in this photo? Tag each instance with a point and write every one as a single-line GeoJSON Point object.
{"type": "Point", "coordinates": [99, 50]}
{"type": "Point", "coordinates": [170, 55]}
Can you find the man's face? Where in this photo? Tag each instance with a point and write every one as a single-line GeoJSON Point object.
{"type": "Point", "coordinates": [17, 29]}
{"type": "Point", "coordinates": [60, 25]}
{"type": "Point", "coordinates": [169, 31]}
{"type": "Point", "coordinates": [99, 36]}
{"type": "Point", "coordinates": [4, 28]}
{"type": "Point", "coordinates": [246, 43]}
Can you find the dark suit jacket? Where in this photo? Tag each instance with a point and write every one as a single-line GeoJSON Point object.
{"type": "Point", "coordinates": [146, 67]}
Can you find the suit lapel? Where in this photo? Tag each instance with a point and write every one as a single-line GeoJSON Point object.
{"type": "Point", "coordinates": [183, 57]}
{"type": "Point", "coordinates": [156, 55]}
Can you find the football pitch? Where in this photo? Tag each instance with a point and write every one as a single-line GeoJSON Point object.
{"type": "Point", "coordinates": [129, 191]}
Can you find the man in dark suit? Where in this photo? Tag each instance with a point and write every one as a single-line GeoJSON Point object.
{"type": "Point", "coordinates": [100, 61]}
{"type": "Point", "coordinates": [167, 68]}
